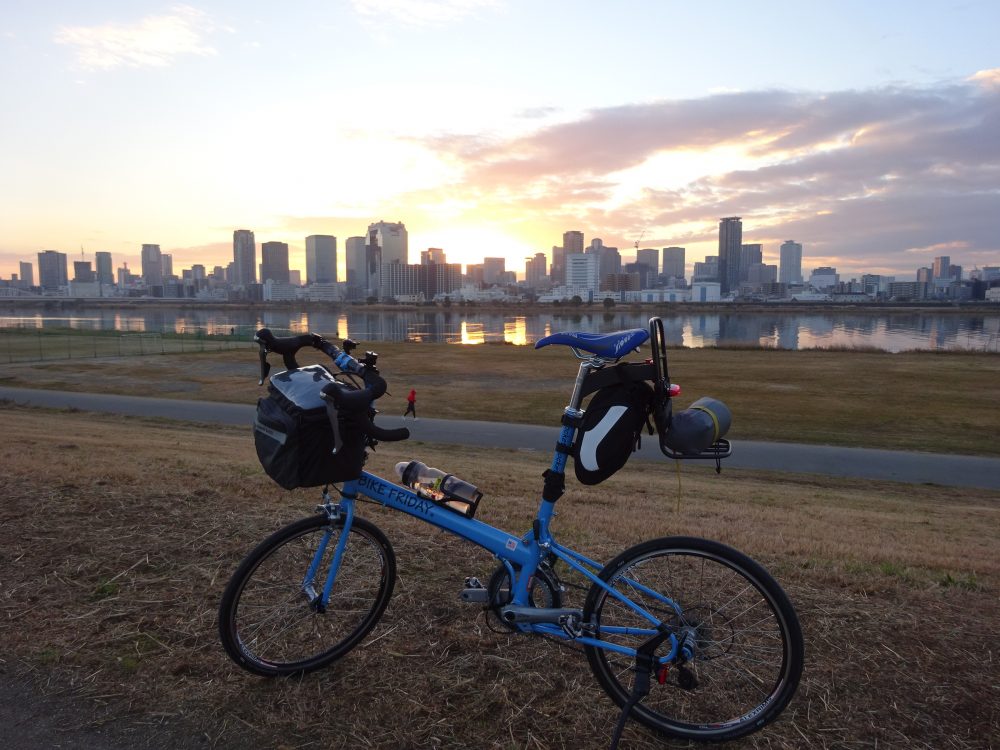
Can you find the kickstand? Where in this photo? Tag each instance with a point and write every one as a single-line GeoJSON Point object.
{"type": "Point", "coordinates": [645, 663]}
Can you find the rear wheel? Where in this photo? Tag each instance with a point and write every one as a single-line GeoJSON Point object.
{"type": "Point", "coordinates": [748, 651]}
{"type": "Point", "coordinates": [267, 623]}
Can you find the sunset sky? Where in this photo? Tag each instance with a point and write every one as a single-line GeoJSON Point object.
{"type": "Point", "coordinates": [867, 131]}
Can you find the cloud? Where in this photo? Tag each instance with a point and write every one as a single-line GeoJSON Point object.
{"type": "Point", "coordinates": [420, 12]}
{"type": "Point", "coordinates": [154, 41]}
{"type": "Point", "coordinates": [879, 176]}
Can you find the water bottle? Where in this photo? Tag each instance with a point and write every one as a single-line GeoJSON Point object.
{"type": "Point", "coordinates": [440, 486]}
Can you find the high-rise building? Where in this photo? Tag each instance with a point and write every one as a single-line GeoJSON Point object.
{"type": "Point", "coordinates": [493, 270]}
{"type": "Point", "coordinates": [431, 255]}
{"type": "Point", "coordinates": [581, 272]}
{"type": "Point", "coordinates": [124, 277]}
{"type": "Point", "coordinates": [642, 272]}
{"type": "Point", "coordinates": [152, 265]}
{"type": "Point", "coordinates": [824, 277]}
{"type": "Point", "coordinates": [557, 271]}
{"type": "Point", "coordinates": [790, 262]}
{"type": "Point", "coordinates": [730, 246]}
{"type": "Point", "coordinates": [244, 258]}
{"type": "Point", "coordinates": [393, 241]}
{"type": "Point", "coordinates": [321, 259]}
{"type": "Point", "coordinates": [439, 278]}
{"type": "Point", "coordinates": [82, 271]}
{"type": "Point", "coordinates": [609, 262]}
{"type": "Point", "coordinates": [399, 280]}
{"type": "Point", "coordinates": [354, 262]}
{"type": "Point", "coordinates": [942, 267]}
{"type": "Point", "coordinates": [706, 270]}
{"type": "Point", "coordinates": [52, 272]}
{"type": "Point", "coordinates": [649, 258]}
{"type": "Point", "coordinates": [573, 242]}
{"type": "Point", "coordinates": [274, 261]}
{"type": "Point", "coordinates": [673, 263]}
{"type": "Point", "coordinates": [105, 268]}
{"type": "Point", "coordinates": [535, 271]}
{"type": "Point", "coordinates": [27, 274]}
{"type": "Point", "coordinates": [750, 255]}
{"type": "Point", "coordinates": [758, 274]}
{"type": "Point", "coordinates": [167, 265]}
{"type": "Point", "coordinates": [372, 282]}
{"type": "Point", "coordinates": [925, 275]}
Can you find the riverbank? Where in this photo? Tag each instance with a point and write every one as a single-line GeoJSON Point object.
{"type": "Point", "coordinates": [918, 401]}
{"type": "Point", "coordinates": [13, 304]}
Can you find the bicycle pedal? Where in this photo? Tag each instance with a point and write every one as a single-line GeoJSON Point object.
{"type": "Point", "coordinates": [474, 592]}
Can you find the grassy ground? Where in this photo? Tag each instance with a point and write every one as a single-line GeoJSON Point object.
{"type": "Point", "coordinates": [118, 535]}
{"type": "Point", "coordinates": [923, 401]}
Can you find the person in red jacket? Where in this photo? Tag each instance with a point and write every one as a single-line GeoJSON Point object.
{"type": "Point", "coordinates": [411, 404]}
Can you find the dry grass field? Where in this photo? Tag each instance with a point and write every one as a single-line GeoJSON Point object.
{"type": "Point", "coordinates": [923, 401]}
{"type": "Point", "coordinates": [118, 535]}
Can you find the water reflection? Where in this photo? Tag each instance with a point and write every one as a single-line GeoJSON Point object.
{"type": "Point", "coordinates": [515, 332]}
{"type": "Point", "coordinates": [472, 333]}
{"type": "Point", "coordinates": [891, 331]}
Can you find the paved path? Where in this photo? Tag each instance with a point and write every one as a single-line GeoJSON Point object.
{"type": "Point", "coordinates": [863, 463]}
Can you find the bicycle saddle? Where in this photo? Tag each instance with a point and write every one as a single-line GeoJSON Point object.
{"type": "Point", "coordinates": [608, 345]}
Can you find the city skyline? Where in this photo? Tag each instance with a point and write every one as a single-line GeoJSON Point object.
{"type": "Point", "coordinates": [735, 263]}
{"type": "Point", "coordinates": [175, 124]}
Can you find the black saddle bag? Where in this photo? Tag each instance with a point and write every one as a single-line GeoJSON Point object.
{"type": "Point", "coordinates": [610, 430]}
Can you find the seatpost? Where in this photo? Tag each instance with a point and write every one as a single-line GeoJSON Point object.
{"type": "Point", "coordinates": [574, 400]}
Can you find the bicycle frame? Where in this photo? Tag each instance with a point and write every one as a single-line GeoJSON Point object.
{"type": "Point", "coordinates": [520, 554]}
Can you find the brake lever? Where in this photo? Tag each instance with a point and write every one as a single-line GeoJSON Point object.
{"type": "Point", "coordinates": [331, 414]}
{"type": "Point", "coordinates": [265, 366]}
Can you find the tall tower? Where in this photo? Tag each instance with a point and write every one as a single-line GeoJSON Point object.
{"type": "Point", "coordinates": [354, 263]}
{"type": "Point", "coordinates": [432, 255]}
{"type": "Point", "coordinates": [651, 258]}
{"type": "Point", "coordinates": [534, 270]}
{"type": "Point", "coordinates": [52, 272]}
{"type": "Point", "coordinates": [152, 265]}
{"type": "Point", "coordinates": [105, 268]}
{"type": "Point", "coordinates": [942, 267]}
{"type": "Point", "coordinates": [393, 241]}
{"type": "Point", "coordinates": [372, 282]}
{"type": "Point", "coordinates": [750, 255]}
{"type": "Point", "coordinates": [730, 246]}
{"type": "Point", "coordinates": [321, 259]}
{"type": "Point", "coordinates": [167, 264]}
{"type": "Point", "coordinates": [790, 262]}
{"type": "Point", "coordinates": [274, 261]}
{"type": "Point", "coordinates": [27, 274]}
{"type": "Point", "coordinates": [673, 262]}
{"type": "Point", "coordinates": [244, 258]}
{"type": "Point", "coordinates": [573, 242]}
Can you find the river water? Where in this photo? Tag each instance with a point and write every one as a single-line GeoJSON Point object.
{"type": "Point", "coordinates": [896, 330]}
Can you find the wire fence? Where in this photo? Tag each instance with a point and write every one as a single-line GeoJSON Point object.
{"type": "Point", "coordinates": [37, 345]}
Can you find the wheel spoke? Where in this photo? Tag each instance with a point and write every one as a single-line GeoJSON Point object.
{"type": "Point", "coordinates": [266, 621]}
{"type": "Point", "coordinates": [742, 657]}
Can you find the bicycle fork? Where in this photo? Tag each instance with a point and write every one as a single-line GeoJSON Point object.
{"type": "Point", "coordinates": [345, 512]}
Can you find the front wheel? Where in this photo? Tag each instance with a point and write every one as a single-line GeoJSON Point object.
{"type": "Point", "coordinates": [269, 624]}
{"type": "Point", "coordinates": [748, 650]}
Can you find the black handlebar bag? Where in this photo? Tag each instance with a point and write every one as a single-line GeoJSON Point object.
{"type": "Point", "coordinates": [610, 430]}
{"type": "Point", "coordinates": [293, 437]}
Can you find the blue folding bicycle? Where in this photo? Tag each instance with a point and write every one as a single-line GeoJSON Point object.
{"type": "Point", "coordinates": [688, 636]}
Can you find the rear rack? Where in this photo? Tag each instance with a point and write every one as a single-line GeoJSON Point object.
{"type": "Point", "coordinates": [718, 450]}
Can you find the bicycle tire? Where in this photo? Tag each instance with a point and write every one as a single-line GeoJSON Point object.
{"type": "Point", "coordinates": [749, 643]}
{"type": "Point", "coordinates": [265, 598]}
